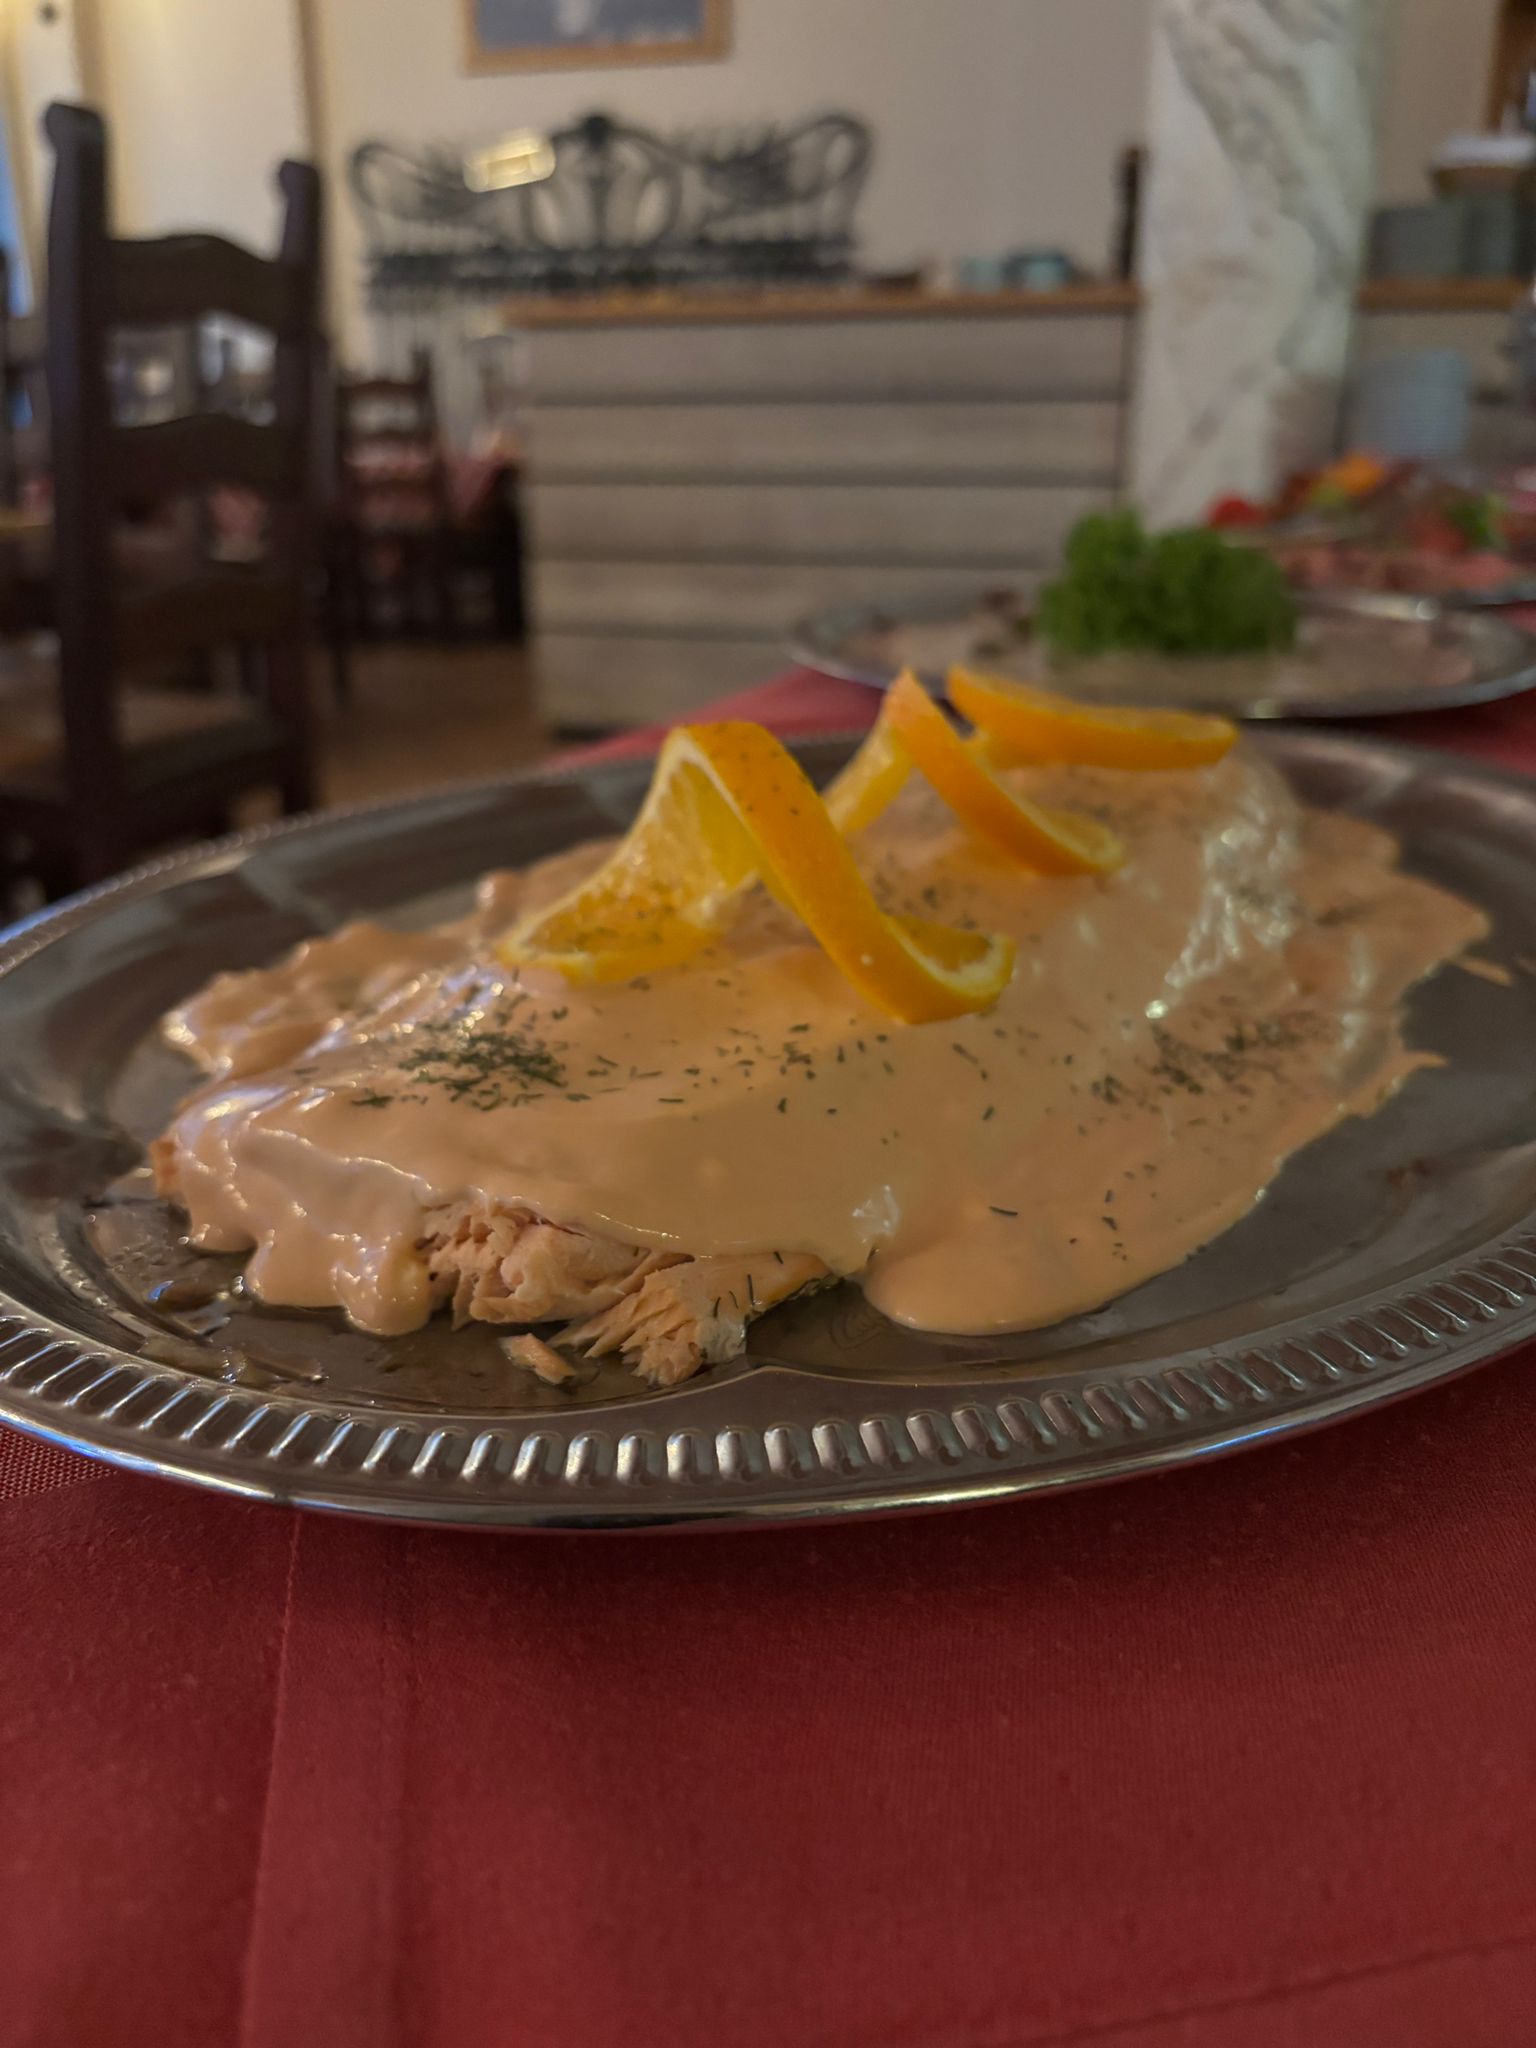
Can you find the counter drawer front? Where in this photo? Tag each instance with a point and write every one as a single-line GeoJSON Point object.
{"type": "Point", "coordinates": [1059, 439]}
{"type": "Point", "coordinates": [1033, 355]}
{"type": "Point", "coordinates": [731, 599]}
{"type": "Point", "coordinates": [586, 679]}
{"type": "Point", "coordinates": [870, 523]}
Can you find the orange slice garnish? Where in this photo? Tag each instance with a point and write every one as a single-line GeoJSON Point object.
{"type": "Point", "coordinates": [1050, 842]}
{"type": "Point", "coordinates": [1024, 725]}
{"type": "Point", "coordinates": [665, 891]}
{"type": "Point", "coordinates": [878, 772]}
{"type": "Point", "coordinates": [729, 803]}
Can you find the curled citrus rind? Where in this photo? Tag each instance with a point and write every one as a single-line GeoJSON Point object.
{"type": "Point", "coordinates": [1050, 842]}
{"type": "Point", "coordinates": [1023, 724]}
{"type": "Point", "coordinates": [728, 803]}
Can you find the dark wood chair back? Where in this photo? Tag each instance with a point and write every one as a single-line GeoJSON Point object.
{"type": "Point", "coordinates": [104, 470]}
{"type": "Point", "coordinates": [394, 534]}
{"type": "Point", "coordinates": [22, 404]}
{"type": "Point", "coordinates": [390, 449]}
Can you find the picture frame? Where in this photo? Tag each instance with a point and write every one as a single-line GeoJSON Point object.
{"type": "Point", "coordinates": [551, 35]}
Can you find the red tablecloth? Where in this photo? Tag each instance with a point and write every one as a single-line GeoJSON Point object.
{"type": "Point", "coordinates": [1245, 1755]}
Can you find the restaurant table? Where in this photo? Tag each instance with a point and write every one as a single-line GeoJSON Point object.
{"type": "Point", "coordinates": [1243, 1754]}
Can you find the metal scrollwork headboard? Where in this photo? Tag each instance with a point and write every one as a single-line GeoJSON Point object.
{"type": "Point", "coordinates": [620, 206]}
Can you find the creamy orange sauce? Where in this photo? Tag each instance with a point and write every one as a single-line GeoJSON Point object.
{"type": "Point", "coordinates": [1172, 1033]}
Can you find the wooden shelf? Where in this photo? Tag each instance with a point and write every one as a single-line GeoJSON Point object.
{"type": "Point", "coordinates": [1442, 294]}
{"type": "Point", "coordinates": [662, 309]}
{"type": "Point", "coordinates": [619, 309]}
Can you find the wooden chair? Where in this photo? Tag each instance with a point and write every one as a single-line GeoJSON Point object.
{"type": "Point", "coordinates": [128, 767]}
{"type": "Point", "coordinates": [25, 539]}
{"type": "Point", "coordinates": [22, 404]}
{"type": "Point", "coordinates": [394, 534]}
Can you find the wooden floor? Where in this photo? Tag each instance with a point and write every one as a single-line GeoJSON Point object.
{"type": "Point", "coordinates": [422, 716]}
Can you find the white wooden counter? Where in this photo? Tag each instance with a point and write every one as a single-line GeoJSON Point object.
{"type": "Point", "coordinates": [702, 472]}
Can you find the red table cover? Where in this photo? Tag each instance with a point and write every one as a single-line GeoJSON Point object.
{"type": "Point", "coordinates": [1242, 1755]}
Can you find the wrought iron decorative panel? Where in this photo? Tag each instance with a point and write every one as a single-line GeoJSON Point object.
{"type": "Point", "coordinates": [619, 207]}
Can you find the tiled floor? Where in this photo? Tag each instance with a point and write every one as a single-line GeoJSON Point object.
{"type": "Point", "coordinates": [421, 716]}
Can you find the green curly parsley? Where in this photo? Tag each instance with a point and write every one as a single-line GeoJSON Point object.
{"type": "Point", "coordinates": [1185, 592]}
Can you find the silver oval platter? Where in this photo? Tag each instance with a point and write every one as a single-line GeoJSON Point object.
{"type": "Point", "coordinates": [1359, 654]}
{"type": "Point", "coordinates": [1393, 1253]}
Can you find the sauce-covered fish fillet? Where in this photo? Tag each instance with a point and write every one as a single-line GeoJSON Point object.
{"type": "Point", "coordinates": [397, 1123]}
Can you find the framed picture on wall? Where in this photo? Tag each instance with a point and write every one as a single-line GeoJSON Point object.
{"type": "Point", "coordinates": [542, 35]}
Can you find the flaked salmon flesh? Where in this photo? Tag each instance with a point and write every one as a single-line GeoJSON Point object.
{"type": "Point", "coordinates": [683, 1313]}
{"type": "Point", "coordinates": [665, 1315]}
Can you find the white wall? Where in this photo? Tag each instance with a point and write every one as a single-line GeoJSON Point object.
{"type": "Point", "coordinates": [1435, 83]}
{"type": "Point", "coordinates": [205, 98]}
{"type": "Point", "coordinates": [997, 122]}
{"type": "Point", "coordinates": [43, 62]}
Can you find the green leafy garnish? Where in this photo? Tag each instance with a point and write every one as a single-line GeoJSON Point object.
{"type": "Point", "coordinates": [1185, 592]}
{"type": "Point", "coordinates": [1479, 519]}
